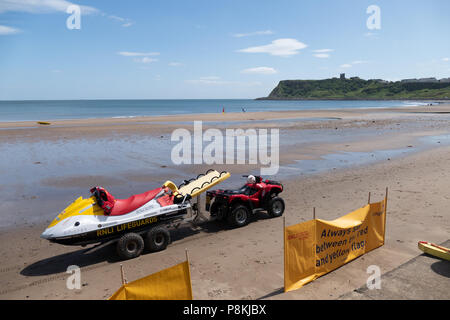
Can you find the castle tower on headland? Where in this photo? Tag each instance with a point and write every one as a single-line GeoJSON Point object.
{"type": "Point", "coordinates": [342, 76]}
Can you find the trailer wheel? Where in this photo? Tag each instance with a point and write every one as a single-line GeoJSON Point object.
{"type": "Point", "coordinates": [130, 246]}
{"type": "Point", "coordinates": [276, 207]}
{"type": "Point", "coordinates": [157, 239]}
{"type": "Point", "coordinates": [239, 216]}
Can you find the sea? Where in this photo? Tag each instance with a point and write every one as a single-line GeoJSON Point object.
{"type": "Point", "coordinates": [45, 110]}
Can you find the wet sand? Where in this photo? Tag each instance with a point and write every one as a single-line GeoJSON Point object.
{"type": "Point", "coordinates": [244, 263]}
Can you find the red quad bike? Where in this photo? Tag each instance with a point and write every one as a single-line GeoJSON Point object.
{"type": "Point", "coordinates": [236, 206]}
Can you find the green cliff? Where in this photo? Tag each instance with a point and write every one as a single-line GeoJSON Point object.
{"type": "Point", "coordinates": [356, 88]}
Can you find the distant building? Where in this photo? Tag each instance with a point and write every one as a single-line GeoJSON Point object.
{"type": "Point", "coordinates": [342, 76]}
{"type": "Point", "coordinates": [409, 80]}
{"type": "Point", "coordinates": [427, 80]}
{"type": "Point", "coordinates": [354, 78]}
{"type": "Point", "coordinates": [445, 80]}
{"type": "Point", "coordinates": [421, 80]}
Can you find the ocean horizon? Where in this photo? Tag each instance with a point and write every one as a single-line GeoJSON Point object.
{"type": "Point", "coordinates": [47, 110]}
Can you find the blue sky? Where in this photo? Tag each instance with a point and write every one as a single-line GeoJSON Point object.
{"type": "Point", "coordinates": [211, 49]}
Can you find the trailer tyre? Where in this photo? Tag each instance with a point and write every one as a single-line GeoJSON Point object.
{"type": "Point", "coordinates": [130, 246]}
{"type": "Point", "coordinates": [239, 216]}
{"type": "Point", "coordinates": [157, 239]}
{"type": "Point", "coordinates": [276, 207]}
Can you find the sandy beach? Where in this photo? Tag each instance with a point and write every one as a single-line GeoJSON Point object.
{"type": "Point", "coordinates": [329, 159]}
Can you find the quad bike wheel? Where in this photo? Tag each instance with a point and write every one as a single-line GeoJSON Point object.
{"type": "Point", "coordinates": [239, 216]}
{"type": "Point", "coordinates": [276, 207]}
{"type": "Point", "coordinates": [157, 239]}
{"type": "Point", "coordinates": [130, 246]}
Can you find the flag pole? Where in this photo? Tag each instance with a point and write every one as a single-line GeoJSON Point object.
{"type": "Point", "coordinates": [284, 252]}
{"type": "Point", "coordinates": [385, 213]}
{"type": "Point", "coordinates": [189, 271]}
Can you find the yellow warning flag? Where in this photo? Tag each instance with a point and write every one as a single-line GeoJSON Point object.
{"type": "Point", "coordinates": [377, 221]}
{"type": "Point", "coordinates": [173, 283]}
{"type": "Point", "coordinates": [316, 247]}
{"type": "Point", "coordinates": [299, 256]}
{"type": "Point", "coordinates": [341, 240]}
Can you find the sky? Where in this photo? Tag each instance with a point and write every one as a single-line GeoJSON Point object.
{"type": "Point", "coordinates": [207, 49]}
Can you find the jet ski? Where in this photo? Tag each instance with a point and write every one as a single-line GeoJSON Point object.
{"type": "Point", "coordinates": [133, 222]}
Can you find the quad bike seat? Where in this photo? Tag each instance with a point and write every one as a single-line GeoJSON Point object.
{"type": "Point", "coordinates": [245, 190]}
{"type": "Point", "coordinates": [118, 207]}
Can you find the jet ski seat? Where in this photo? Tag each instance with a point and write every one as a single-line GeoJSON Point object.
{"type": "Point", "coordinates": [124, 206]}
{"type": "Point", "coordinates": [118, 207]}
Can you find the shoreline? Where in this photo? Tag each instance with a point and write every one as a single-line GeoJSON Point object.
{"type": "Point", "coordinates": [443, 100]}
{"type": "Point", "coordinates": [234, 116]}
{"type": "Point", "coordinates": [193, 99]}
{"type": "Point", "coordinates": [211, 114]}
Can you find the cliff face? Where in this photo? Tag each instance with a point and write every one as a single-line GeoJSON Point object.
{"type": "Point", "coordinates": [356, 88]}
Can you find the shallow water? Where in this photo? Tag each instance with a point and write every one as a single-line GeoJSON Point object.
{"type": "Point", "coordinates": [345, 159]}
{"type": "Point", "coordinates": [41, 179]}
{"type": "Point", "coordinates": [84, 109]}
{"type": "Point", "coordinates": [335, 161]}
{"type": "Point", "coordinates": [236, 123]}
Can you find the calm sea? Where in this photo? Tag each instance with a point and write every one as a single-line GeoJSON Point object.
{"type": "Point", "coordinates": [85, 109]}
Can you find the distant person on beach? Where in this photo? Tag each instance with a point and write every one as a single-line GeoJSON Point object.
{"type": "Point", "coordinates": [243, 109]}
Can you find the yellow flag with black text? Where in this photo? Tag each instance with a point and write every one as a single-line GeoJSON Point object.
{"type": "Point", "coordinates": [316, 247]}
{"type": "Point", "coordinates": [173, 283]}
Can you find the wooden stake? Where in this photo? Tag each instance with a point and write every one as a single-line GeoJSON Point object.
{"type": "Point", "coordinates": [368, 201]}
{"type": "Point", "coordinates": [385, 212]}
{"type": "Point", "coordinates": [124, 281]}
{"type": "Point", "coordinates": [386, 198]}
{"type": "Point", "coordinates": [189, 270]}
{"type": "Point", "coordinates": [314, 213]}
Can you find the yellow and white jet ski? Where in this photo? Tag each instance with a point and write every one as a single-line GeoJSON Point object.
{"type": "Point", "coordinates": [134, 222]}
